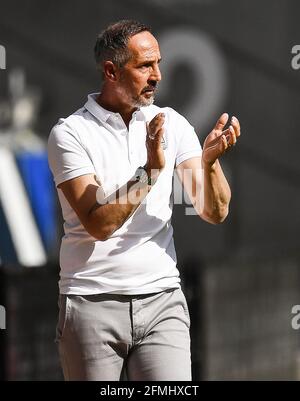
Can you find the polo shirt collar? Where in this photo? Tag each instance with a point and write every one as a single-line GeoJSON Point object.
{"type": "Point", "coordinates": [94, 108]}
{"type": "Point", "coordinates": [99, 112]}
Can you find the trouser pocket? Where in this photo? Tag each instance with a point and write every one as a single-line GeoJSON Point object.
{"type": "Point", "coordinates": [64, 309]}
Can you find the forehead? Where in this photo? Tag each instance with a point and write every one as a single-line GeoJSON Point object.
{"type": "Point", "coordinates": [143, 45]}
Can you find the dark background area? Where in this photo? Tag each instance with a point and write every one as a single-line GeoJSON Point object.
{"type": "Point", "coordinates": [241, 278]}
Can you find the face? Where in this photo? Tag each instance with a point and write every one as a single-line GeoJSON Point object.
{"type": "Point", "coordinates": [139, 77]}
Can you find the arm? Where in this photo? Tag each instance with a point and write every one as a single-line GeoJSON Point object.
{"type": "Point", "coordinates": [101, 220]}
{"type": "Point", "coordinates": [203, 178]}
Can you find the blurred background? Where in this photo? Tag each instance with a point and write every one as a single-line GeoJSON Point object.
{"type": "Point", "coordinates": [241, 278]}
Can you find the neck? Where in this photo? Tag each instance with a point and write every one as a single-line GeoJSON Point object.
{"type": "Point", "coordinates": [112, 101]}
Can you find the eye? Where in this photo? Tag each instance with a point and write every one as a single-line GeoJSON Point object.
{"type": "Point", "coordinates": [146, 65]}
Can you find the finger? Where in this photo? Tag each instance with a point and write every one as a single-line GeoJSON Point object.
{"type": "Point", "coordinates": [150, 132]}
{"type": "Point", "coordinates": [226, 132]}
{"type": "Point", "coordinates": [225, 143]}
{"type": "Point", "coordinates": [160, 134]}
{"type": "Point", "coordinates": [233, 136]}
{"type": "Point", "coordinates": [221, 122]}
{"type": "Point", "coordinates": [157, 120]}
{"type": "Point", "coordinates": [227, 135]}
{"type": "Point", "coordinates": [154, 126]}
{"type": "Point", "coordinates": [230, 137]}
{"type": "Point", "coordinates": [236, 125]}
{"type": "Point", "coordinates": [158, 137]}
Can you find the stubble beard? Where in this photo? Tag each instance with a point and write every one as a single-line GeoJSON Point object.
{"type": "Point", "coordinates": [140, 101]}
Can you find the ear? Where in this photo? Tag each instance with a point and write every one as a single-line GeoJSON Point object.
{"type": "Point", "coordinates": [109, 70]}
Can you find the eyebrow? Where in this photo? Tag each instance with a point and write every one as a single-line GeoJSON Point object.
{"type": "Point", "coordinates": [149, 60]}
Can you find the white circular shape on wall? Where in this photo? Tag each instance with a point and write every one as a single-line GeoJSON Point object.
{"type": "Point", "coordinates": [202, 55]}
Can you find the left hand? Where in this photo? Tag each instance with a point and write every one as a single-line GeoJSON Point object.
{"type": "Point", "coordinates": [219, 141]}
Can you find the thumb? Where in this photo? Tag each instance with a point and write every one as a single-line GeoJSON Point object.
{"type": "Point", "coordinates": [221, 122]}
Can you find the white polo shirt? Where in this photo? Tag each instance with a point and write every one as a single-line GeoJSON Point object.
{"type": "Point", "coordinates": [139, 257]}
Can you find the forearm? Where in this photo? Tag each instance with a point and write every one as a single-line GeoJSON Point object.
{"type": "Point", "coordinates": [216, 194]}
{"type": "Point", "coordinates": [104, 219]}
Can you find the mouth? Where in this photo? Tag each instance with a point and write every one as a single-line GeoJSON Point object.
{"type": "Point", "coordinates": [148, 91]}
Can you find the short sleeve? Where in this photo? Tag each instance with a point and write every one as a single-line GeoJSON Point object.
{"type": "Point", "coordinates": [67, 157]}
{"type": "Point", "coordinates": [188, 144]}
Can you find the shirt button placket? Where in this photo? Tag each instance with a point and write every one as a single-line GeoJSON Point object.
{"type": "Point", "coordinates": [130, 145]}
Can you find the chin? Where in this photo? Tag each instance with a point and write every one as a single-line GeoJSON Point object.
{"type": "Point", "coordinates": [142, 102]}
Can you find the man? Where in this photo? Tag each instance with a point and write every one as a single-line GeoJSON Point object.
{"type": "Point", "coordinates": [121, 307]}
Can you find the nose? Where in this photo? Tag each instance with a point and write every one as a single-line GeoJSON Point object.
{"type": "Point", "coordinates": [155, 74]}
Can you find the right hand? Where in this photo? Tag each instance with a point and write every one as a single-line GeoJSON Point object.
{"type": "Point", "coordinates": [155, 153]}
{"type": "Point", "coordinates": [220, 140]}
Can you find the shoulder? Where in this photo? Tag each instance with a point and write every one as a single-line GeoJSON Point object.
{"type": "Point", "coordinates": [68, 127]}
